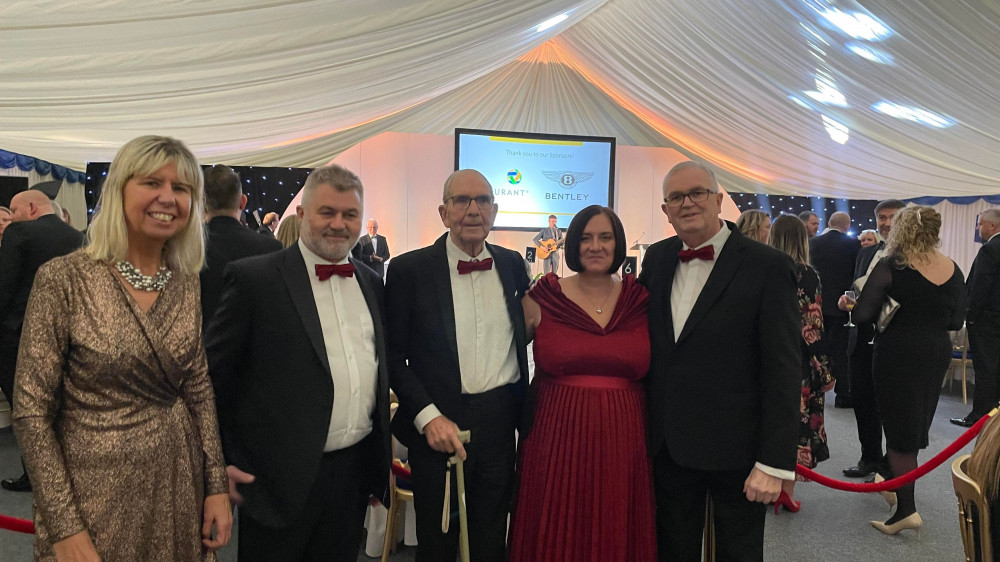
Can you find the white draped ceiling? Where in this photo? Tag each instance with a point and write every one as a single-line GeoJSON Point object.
{"type": "Point", "coordinates": [294, 83]}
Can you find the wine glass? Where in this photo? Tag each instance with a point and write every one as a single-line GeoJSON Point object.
{"type": "Point", "coordinates": [852, 298]}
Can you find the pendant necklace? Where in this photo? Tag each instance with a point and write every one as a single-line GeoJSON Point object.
{"type": "Point", "coordinates": [141, 281]}
{"type": "Point", "coordinates": [599, 309]}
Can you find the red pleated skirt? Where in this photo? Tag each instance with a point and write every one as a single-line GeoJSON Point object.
{"type": "Point", "coordinates": [585, 490]}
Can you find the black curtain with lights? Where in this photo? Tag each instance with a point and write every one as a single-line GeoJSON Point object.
{"type": "Point", "coordinates": [862, 211]}
{"type": "Point", "coordinates": [267, 189]}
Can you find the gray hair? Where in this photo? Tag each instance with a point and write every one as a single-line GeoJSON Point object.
{"type": "Point", "coordinates": [692, 164]}
{"type": "Point", "coordinates": [336, 176]}
{"type": "Point", "coordinates": [990, 215]}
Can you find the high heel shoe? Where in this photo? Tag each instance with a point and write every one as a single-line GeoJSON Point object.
{"type": "Point", "coordinates": [913, 521]}
{"type": "Point", "coordinates": [890, 497]}
{"type": "Point", "coordinates": [784, 500]}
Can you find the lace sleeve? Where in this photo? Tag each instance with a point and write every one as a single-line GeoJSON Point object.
{"type": "Point", "coordinates": [870, 302]}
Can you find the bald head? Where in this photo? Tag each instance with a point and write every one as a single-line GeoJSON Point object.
{"type": "Point", "coordinates": [29, 205]}
{"type": "Point", "coordinates": [840, 221]}
{"type": "Point", "coordinates": [464, 175]}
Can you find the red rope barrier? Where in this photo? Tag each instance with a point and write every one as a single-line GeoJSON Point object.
{"type": "Point", "coordinates": [905, 479]}
{"type": "Point", "coordinates": [17, 525]}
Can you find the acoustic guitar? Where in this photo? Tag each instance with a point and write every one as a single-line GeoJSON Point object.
{"type": "Point", "coordinates": [546, 247]}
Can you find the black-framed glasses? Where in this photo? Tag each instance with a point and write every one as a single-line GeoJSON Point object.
{"type": "Point", "coordinates": [695, 195]}
{"type": "Point", "coordinates": [462, 202]}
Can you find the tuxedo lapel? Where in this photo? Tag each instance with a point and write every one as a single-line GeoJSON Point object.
{"type": "Point", "coordinates": [507, 281]}
{"type": "Point", "coordinates": [726, 266]}
{"type": "Point", "coordinates": [440, 275]}
{"type": "Point", "coordinates": [293, 271]}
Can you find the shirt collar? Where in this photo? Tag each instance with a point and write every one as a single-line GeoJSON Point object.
{"type": "Point", "coordinates": [456, 254]}
{"type": "Point", "coordinates": [717, 241]}
{"type": "Point", "coordinates": [994, 236]}
{"type": "Point", "coordinates": [312, 260]}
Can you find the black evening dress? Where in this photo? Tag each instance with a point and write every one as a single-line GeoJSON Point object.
{"type": "Point", "coordinates": [913, 354]}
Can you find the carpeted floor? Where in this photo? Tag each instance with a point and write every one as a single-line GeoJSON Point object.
{"type": "Point", "coordinates": [832, 526]}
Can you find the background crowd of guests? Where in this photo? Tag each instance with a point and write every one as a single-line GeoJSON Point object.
{"type": "Point", "coordinates": [143, 416]}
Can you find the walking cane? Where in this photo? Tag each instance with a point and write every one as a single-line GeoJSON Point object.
{"type": "Point", "coordinates": [463, 522]}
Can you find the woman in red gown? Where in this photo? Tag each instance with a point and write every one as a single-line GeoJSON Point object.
{"type": "Point", "coordinates": [585, 487]}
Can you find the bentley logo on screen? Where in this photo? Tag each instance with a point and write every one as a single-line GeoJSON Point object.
{"type": "Point", "coordinates": [568, 180]}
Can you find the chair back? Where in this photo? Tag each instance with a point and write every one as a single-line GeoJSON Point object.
{"type": "Point", "coordinates": [973, 513]}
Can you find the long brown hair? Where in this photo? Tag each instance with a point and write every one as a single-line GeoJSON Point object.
{"type": "Point", "coordinates": [789, 235]}
{"type": "Point", "coordinates": [984, 466]}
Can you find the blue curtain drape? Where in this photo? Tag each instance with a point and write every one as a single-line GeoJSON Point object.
{"type": "Point", "coordinates": [28, 163]}
{"type": "Point", "coordinates": [991, 199]}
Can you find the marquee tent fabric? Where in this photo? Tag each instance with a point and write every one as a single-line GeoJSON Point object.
{"type": "Point", "coordinates": [858, 99]}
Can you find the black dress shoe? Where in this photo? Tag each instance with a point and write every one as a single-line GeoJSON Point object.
{"type": "Point", "coordinates": [862, 469]}
{"type": "Point", "coordinates": [21, 484]}
{"type": "Point", "coordinates": [967, 421]}
{"type": "Point", "coordinates": [842, 402]}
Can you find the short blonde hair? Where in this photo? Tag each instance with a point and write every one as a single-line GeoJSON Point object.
{"type": "Point", "coordinates": [108, 235]}
{"type": "Point", "coordinates": [914, 234]}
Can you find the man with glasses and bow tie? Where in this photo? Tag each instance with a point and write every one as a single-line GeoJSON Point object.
{"type": "Point", "coordinates": [725, 377]}
{"type": "Point", "coordinates": [303, 399]}
{"type": "Point", "coordinates": [458, 361]}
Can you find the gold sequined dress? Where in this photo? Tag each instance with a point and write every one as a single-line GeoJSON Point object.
{"type": "Point", "coordinates": [115, 413]}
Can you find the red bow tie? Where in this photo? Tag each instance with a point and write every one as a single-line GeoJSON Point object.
{"type": "Point", "coordinates": [707, 253]}
{"type": "Point", "coordinates": [325, 270]}
{"type": "Point", "coordinates": [470, 266]}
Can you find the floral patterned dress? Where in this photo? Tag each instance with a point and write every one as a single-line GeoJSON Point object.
{"type": "Point", "coordinates": [815, 370]}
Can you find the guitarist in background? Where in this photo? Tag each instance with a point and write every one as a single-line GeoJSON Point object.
{"type": "Point", "coordinates": [549, 240]}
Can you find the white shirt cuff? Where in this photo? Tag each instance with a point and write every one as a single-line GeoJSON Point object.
{"type": "Point", "coordinates": [425, 416]}
{"type": "Point", "coordinates": [770, 471]}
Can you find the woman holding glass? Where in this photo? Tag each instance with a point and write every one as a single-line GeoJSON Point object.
{"type": "Point", "coordinates": [112, 401]}
{"type": "Point", "coordinates": [912, 354]}
{"type": "Point", "coordinates": [585, 488]}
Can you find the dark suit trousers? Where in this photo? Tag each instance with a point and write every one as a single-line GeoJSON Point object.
{"type": "Point", "coordinates": [8, 363]}
{"type": "Point", "coordinates": [680, 512]}
{"type": "Point", "coordinates": [984, 346]}
{"type": "Point", "coordinates": [837, 335]}
{"type": "Point", "coordinates": [329, 528]}
{"type": "Point", "coordinates": [489, 483]}
{"type": "Point", "coordinates": [863, 395]}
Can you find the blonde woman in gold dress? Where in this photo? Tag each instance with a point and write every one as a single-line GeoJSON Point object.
{"type": "Point", "coordinates": [113, 406]}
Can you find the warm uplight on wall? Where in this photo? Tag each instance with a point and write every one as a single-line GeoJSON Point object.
{"type": "Point", "coordinates": [552, 22]}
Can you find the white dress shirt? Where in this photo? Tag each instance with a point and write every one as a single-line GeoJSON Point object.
{"type": "Point", "coordinates": [689, 280]}
{"type": "Point", "coordinates": [860, 281]}
{"type": "Point", "coordinates": [374, 244]}
{"type": "Point", "coordinates": [487, 355]}
{"type": "Point", "coordinates": [349, 338]}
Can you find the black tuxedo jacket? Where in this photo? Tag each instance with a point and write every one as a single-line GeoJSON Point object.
{"type": "Point", "coordinates": [227, 240]}
{"type": "Point", "coordinates": [364, 250]}
{"type": "Point", "coordinates": [273, 385]}
{"type": "Point", "coordinates": [984, 283]}
{"type": "Point", "coordinates": [834, 255]}
{"type": "Point", "coordinates": [726, 393]}
{"type": "Point", "coordinates": [423, 353]}
{"type": "Point", "coordinates": [26, 246]}
{"type": "Point", "coordinates": [865, 257]}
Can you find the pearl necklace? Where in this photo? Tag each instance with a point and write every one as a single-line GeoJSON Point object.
{"type": "Point", "coordinates": [141, 281]}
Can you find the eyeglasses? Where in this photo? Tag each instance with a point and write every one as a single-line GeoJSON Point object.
{"type": "Point", "coordinates": [696, 196]}
{"type": "Point", "coordinates": [462, 202]}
